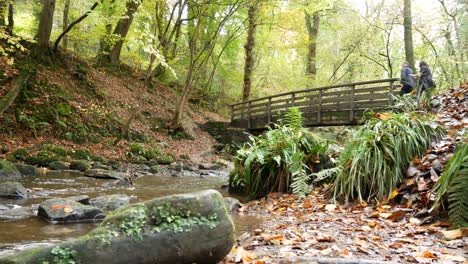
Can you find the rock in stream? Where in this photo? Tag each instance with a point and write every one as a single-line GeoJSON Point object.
{"type": "Point", "coordinates": [184, 228]}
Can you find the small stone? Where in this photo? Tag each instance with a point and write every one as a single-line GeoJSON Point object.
{"type": "Point", "coordinates": [105, 174]}
{"type": "Point", "coordinates": [431, 157]}
{"type": "Point", "coordinates": [80, 165]}
{"type": "Point", "coordinates": [257, 231]}
{"type": "Point", "coordinates": [27, 170]}
{"type": "Point", "coordinates": [13, 190]}
{"type": "Point", "coordinates": [58, 165]}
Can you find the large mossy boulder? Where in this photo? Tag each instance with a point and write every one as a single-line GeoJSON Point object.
{"type": "Point", "coordinates": [185, 228]}
{"type": "Point", "coordinates": [8, 170]}
{"type": "Point", "coordinates": [13, 190]}
{"type": "Point", "coordinates": [105, 174]}
{"type": "Point", "coordinates": [27, 170]}
{"type": "Point", "coordinates": [66, 210]}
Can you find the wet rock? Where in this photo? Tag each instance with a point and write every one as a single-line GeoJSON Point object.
{"type": "Point", "coordinates": [412, 171]}
{"type": "Point", "coordinates": [232, 204]}
{"type": "Point", "coordinates": [215, 166]}
{"type": "Point", "coordinates": [435, 103]}
{"type": "Point", "coordinates": [8, 170]}
{"type": "Point", "coordinates": [118, 183]}
{"type": "Point", "coordinates": [185, 228]}
{"type": "Point", "coordinates": [14, 212]}
{"type": "Point", "coordinates": [3, 148]}
{"type": "Point", "coordinates": [104, 174]}
{"type": "Point", "coordinates": [58, 165]}
{"type": "Point", "coordinates": [110, 202]}
{"type": "Point", "coordinates": [100, 166]}
{"type": "Point", "coordinates": [437, 165]}
{"type": "Point", "coordinates": [63, 211]}
{"type": "Point", "coordinates": [82, 199]}
{"type": "Point", "coordinates": [27, 170]}
{"type": "Point", "coordinates": [80, 165]}
{"type": "Point", "coordinates": [143, 167]}
{"type": "Point", "coordinates": [155, 169]}
{"type": "Point", "coordinates": [13, 190]}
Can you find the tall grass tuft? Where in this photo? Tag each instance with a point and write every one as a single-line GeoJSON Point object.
{"type": "Point", "coordinates": [281, 160]}
{"type": "Point", "coordinates": [377, 155]}
{"type": "Point", "coordinates": [453, 186]}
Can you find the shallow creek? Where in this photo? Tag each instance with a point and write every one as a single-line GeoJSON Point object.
{"type": "Point", "coordinates": [28, 232]}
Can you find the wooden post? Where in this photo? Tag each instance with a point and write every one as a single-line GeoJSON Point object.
{"type": "Point", "coordinates": [390, 96]}
{"type": "Point", "coordinates": [232, 113]}
{"type": "Point", "coordinates": [351, 104]}
{"type": "Point", "coordinates": [269, 110]}
{"type": "Point", "coordinates": [293, 99]}
{"type": "Point", "coordinates": [250, 115]}
{"type": "Point", "coordinates": [319, 110]}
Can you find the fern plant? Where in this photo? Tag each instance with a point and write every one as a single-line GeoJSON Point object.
{"type": "Point", "coordinates": [293, 118]}
{"type": "Point", "coordinates": [375, 158]}
{"type": "Point", "coordinates": [281, 160]}
{"type": "Point", "coordinates": [453, 186]}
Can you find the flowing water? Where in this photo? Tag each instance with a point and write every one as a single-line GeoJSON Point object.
{"type": "Point", "coordinates": [31, 231]}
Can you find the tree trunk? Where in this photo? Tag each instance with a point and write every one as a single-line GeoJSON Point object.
{"type": "Point", "coordinates": [312, 32]}
{"type": "Point", "coordinates": [176, 121]}
{"type": "Point", "coordinates": [11, 20]}
{"type": "Point", "coordinates": [45, 28]}
{"type": "Point", "coordinates": [66, 11]}
{"type": "Point", "coordinates": [3, 8]}
{"type": "Point", "coordinates": [249, 52]}
{"type": "Point", "coordinates": [408, 27]}
{"type": "Point", "coordinates": [122, 30]}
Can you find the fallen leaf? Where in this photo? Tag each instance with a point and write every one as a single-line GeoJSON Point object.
{"type": "Point", "coordinates": [396, 245]}
{"type": "Point", "coordinates": [325, 238]}
{"type": "Point", "coordinates": [306, 204]}
{"type": "Point", "coordinates": [330, 207]}
{"type": "Point", "coordinates": [452, 234]}
{"type": "Point", "coordinates": [57, 207]}
{"type": "Point", "coordinates": [68, 209]}
{"type": "Point", "coordinates": [385, 215]}
{"type": "Point", "coordinates": [394, 193]}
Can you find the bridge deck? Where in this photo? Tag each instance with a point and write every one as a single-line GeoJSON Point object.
{"type": "Point", "coordinates": [324, 106]}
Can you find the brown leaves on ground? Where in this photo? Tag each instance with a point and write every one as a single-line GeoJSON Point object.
{"type": "Point", "coordinates": [311, 226]}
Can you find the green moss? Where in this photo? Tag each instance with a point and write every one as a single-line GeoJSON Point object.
{"type": "Point", "coordinates": [138, 152]}
{"type": "Point", "coordinates": [20, 154]}
{"type": "Point", "coordinates": [81, 154]}
{"type": "Point", "coordinates": [59, 151]}
{"type": "Point", "coordinates": [43, 158]}
{"type": "Point", "coordinates": [7, 167]}
{"type": "Point", "coordinates": [165, 159]}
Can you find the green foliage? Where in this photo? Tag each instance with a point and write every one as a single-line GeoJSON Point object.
{"type": "Point", "coordinates": [293, 118]}
{"type": "Point", "coordinates": [133, 225]}
{"type": "Point", "coordinates": [20, 154]}
{"type": "Point", "coordinates": [281, 160]}
{"type": "Point", "coordinates": [375, 159]}
{"type": "Point", "coordinates": [138, 151]}
{"type": "Point", "coordinates": [166, 218]}
{"type": "Point", "coordinates": [63, 256]}
{"type": "Point", "coordinates": [405, 103]}
{"type": "Point", "coordinates": [43, 158]}
{"type": "Point", "coordinates": [453, 186]}
{"type": "Point", "coordinates": [81, 154]}
{"type": "Point", "coordinates": [59, 151]}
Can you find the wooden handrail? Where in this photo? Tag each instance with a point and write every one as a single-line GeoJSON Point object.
{"type": "Point", "coordinates": [316, 89]}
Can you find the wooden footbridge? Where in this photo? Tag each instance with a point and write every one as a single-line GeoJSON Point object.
{"type": "Point", "coordinates": [342, 104]}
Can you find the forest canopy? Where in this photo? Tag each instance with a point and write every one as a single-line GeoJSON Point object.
{"type": "Point", "coordinates": [224, 51]}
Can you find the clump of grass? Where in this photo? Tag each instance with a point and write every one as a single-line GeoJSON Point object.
{"type": "Point", "coordinates": [377, 155]}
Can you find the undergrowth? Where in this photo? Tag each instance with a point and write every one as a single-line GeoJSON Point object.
{"type": "Point", "coordinates": [281, 160]}
{"type": "Point", "coordinates": [452, 186]}
{"type": "Point", "coordinates": [377, 154]}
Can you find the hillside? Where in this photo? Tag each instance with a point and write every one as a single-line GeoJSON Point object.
{"type": "Point", "coordinates": [75, 104]}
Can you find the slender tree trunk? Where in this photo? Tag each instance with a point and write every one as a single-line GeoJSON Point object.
{"type": "Point", "coordinates": [408, 27]}
{"type": "Point", "coordinates": [11, 20]}
{"type": "Point", "coordinates": [249, 51]}
{"type": "Point", "coordinates": [112, 54]}
{"type": "Point", "coordinates": [45, 28]}
{"type": "Point", "coordinates": [3, 8]}
{"type": "Point", "coordinates": [312, 32]}
{"type": "Point", "coordinates": [176, 121]}
{"type": "Point", "coordinates": [66, 11]}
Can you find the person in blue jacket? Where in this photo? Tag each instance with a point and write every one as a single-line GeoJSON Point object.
{"type": "Point", "coordinates": [406, 79]}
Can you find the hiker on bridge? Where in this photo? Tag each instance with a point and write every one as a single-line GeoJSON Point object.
{"type": "Point", "coordinates": [425, 77]}
{"type": "Point", "coordinates": [406, 79]}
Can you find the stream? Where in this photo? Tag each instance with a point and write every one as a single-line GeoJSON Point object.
{"type": "Point", "coordinates": [31, 231]}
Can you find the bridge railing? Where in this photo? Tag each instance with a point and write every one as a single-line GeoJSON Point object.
{"type": "Point", "coordinates": [331, 105]}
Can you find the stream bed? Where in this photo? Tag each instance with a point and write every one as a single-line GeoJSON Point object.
{"type": "Point", "coordinates": [28, 230]}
